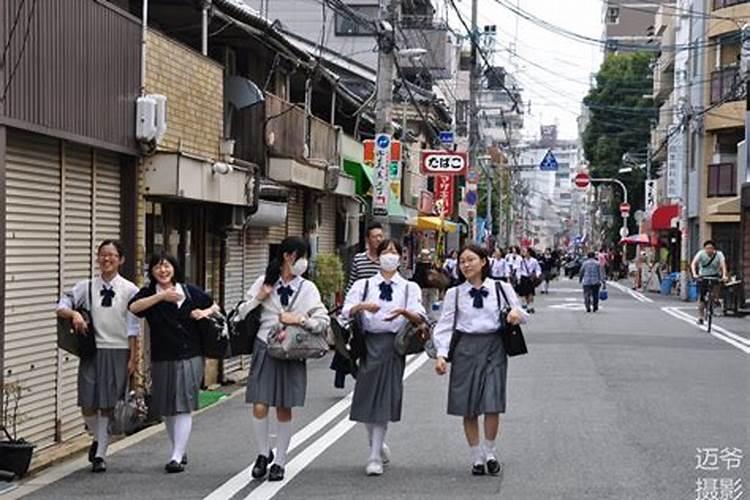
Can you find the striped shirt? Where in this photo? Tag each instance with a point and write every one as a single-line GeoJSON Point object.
{"type": "Point", "coordinates": [362, 267]}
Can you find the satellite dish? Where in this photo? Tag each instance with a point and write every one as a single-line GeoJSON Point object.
{"type": "Point", "coordinates": [241, 92]}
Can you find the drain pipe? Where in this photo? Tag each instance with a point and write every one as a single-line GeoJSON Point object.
{"type": "Point", "coordinates": [144, 34]}
{"type": "Point", "coordinates": [204, 27]}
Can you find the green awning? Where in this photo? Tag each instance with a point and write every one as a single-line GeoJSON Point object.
{"type": "Point", "coordinates": [362, 176]}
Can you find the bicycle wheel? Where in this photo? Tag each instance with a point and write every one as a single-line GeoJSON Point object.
{"type": "Point", "coordinates": [710, 311]}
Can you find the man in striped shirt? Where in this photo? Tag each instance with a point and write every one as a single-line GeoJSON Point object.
{"type": "Point", "coordinates": [364, 265]}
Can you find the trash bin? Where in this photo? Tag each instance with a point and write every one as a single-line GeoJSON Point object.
{"type": "Point", "coordinates": [692, 291]}
{"type": "Point", "coordinates": [666, 285]}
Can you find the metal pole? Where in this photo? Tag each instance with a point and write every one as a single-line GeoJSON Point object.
{"type": "Point", "coordinates": [384, 98]}
{"type": "Point", "coordinates": [473, 94]}
{"type": "Point", "coordinates": [684, 233]}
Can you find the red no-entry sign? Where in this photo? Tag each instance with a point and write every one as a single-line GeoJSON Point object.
{"type": "Point", "coordinates": [582, 180]}
{"type": "Point", "coordinates": [624, 209]}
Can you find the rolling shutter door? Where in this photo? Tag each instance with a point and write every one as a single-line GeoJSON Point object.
{"type": "Point", "coordinates": [106, 196]}
{"type": "Point", "coordinates": [31, 286]}
{"type": "Point", "coordinates": [296, 213]}
{"type": "Point", "coordinates": [77, 263]}
{"type": "Point", "coordinates": [327, 231]}
{"type": "Point", "coordinates": [233, 284]}
{"type": "Point", "coordinates": [256, 254]}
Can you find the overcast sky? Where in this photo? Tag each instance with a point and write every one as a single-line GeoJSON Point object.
{"type": "Point", "coordinates": [555, 89]}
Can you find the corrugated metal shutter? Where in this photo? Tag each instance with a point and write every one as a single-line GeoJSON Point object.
{"type": "Point", "coordinates": [327, 230]}
{"type": "Point", "coordinates": [77, 259]}
{"type": "Point", "coordinates": [107, 196]}
{"type": "Point", "coordinates": [256, 254]}
{"type": "Point", "coordinates": [233, 284]}
{"type": "Point", "coordinates": [31, 286]}
{"type": "Point", "coordinates": [296, 213]}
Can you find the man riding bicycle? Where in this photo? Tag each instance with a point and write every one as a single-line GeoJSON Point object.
{"type": "Point", "coordinates": [708, 263]}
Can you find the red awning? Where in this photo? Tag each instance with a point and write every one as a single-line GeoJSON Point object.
{"type": "Point", "coordinates": [661, 220]}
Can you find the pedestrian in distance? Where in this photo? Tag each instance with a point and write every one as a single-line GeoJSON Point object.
{"type": "Point", "coordinates": [499, 267]}
{"type": "Point", "coordinates": [386, 301]}
{"type": "Point", "coordinates": [102, 378]}
{"type": "Point", "coordinates": [364, 265]}
{"type": "Point", "coordinates": [592, 277]}
{"type": "Point", "coordinates": [468, 334]}
{"type": "Point", "coordinates": [172, 309]}
{"type": "Point", "coordinates": [289, 299]}
{"type": "Point", "coordinates": [547, 264]}
{"type": "Point", "coordinates": [529, 273]}
{"type": "Point", "coordinates": [514, 261]}
{"type": "Point", "coordinates": [450, 267]}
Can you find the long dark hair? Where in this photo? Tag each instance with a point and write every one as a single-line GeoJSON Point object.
{"type": "Point", "coordinates": [479, 251]}
{"type": "Point", "coordinates": [115, 243]}
{"type": "Point", "coordinates": [293, 244]}
{"type": "Point", "coordinates": [157, 259]}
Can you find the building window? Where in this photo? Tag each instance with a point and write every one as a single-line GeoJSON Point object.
{"type": "Point", "coordinates": [346, 26]}
{"type": "Point", "coordinates": [722, 179]}
{"type": "Point", "coordinates": [613, 15]}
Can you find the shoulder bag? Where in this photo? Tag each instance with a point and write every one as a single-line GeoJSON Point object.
{"type": "Point", "coordinates": [298, 343]}
{"type": "Point", "coordinates": [411, 338]}
{"type": "Point", "coordinates": [513, 340]}
{"type": "Point", "coordinates": [83, 346]}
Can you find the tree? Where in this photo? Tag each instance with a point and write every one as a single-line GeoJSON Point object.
{"type": "Point", "coordinates": [621, 113]}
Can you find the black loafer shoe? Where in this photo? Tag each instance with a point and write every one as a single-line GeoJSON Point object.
{"type": "Point", "coordinates": [92, 451]}
{"type": "Point", "coordinates": [477, 470]}
{"type": "Point", "coordinates": [184, 460]}
{"type": "Point", "coordinates": [174, 467]}
{"type": "Point", "coordinates": [261, 465]}
{"type": "Point", "coordinates": [98, 465]}
{"type": "Point", "coordinates": [276, 473]}
{"type": "Point", "coordinates": [493, 467]}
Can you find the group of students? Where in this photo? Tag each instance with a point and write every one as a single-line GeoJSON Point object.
{"type": "Point", "coordinates": [385, 300]}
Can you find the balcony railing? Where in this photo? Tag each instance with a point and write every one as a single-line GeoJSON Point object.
{"type": "Point", "coordinates": [277, 128]}
{"type": "Point", "coordinates": [720, 4]}
{"type": "Point", "coordinates": [726, 85]}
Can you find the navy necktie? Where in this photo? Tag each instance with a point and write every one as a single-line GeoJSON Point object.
{"type": "Point", "coordinates": [478, 294]}
{"type": "Point", "coordinates": [284, 293]}
{"type": "Point", "coordinates": [386, 291]}
{"type": "Point", "coordinates": [107, 295]}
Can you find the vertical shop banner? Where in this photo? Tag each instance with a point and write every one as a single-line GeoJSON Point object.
{"type": "Point", "coordinates": [395, 171]}
{"type": "Point", "coordinates": [444, 190]}
{"type": "Point", "coordinates": [381, 174]}
{"type": "Point", "coordinates": [675, 163]}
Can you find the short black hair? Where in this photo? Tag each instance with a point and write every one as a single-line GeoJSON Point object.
{"type": "Point", "coordinates": [115, 243]}
{"type": "Point", "coordinates": [591, 255]}
{"type": "Point", "coordinates": [709, 242]}
{"type": "Point", "coordinates": [157, 259]}
{"type": "Point", "coordinates": [386, 243]}
{"type": "Point", "coordinates": [373, 226]}
{"type": "Point", "coordinates": [481, 253]}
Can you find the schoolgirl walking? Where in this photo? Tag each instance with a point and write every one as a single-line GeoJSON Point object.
{"type": "Point", "coordinates": [469, 334]}
{"type": "Point", "coordinates": [172, 309]}
{"type": "Point", "coordinates": [289, 299]}
{"type": "Point", "coordinates": [103, 377]}
{"type": "Point", "coordinates": [387, 302]}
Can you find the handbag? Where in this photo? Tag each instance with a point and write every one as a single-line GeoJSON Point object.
{"type": "Point", "coordinates": [129, 413]}
{"type": "Point", "coordinates": [603, 293]}
{"type": "Point", "coordinates": [83, 346]}
{"type": "Point", "coordinates": [513, 341]}
{"type": "Point", "coordinates": [297, 343]}
{"type": "Point", "coordinates": [242, 333]}
{"type": "Point", "coordinates": [214, 332]}
{"type": "Point", "coordinates": [411, 338]}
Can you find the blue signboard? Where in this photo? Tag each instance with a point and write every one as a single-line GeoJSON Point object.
{"type": "Point", "coordinates": [446, 137]}
{"type": "Point", "coordinates": [549, 163]}
{"type": "Point", "coordinates": [471, 198]}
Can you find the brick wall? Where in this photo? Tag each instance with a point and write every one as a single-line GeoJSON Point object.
{"type": "Point", "coordinates": [194, 87]}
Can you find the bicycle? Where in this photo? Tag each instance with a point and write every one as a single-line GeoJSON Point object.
{"type": "Point", "coordinates": [710, 299]}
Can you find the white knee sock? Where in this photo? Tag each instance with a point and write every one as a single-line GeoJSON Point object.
{"type": "Point", "coordinates": [169, 424]}
{"type": "Point", "coordinates": [378, 438]}
{"type": "Point", "coordinates": [102, 435]}
{"type": "Point", "coordinates": [489, 449]}
{"type": "Point", "coordinates": [260, 425]}
{"type": "Point", "coordinates": [91, 425]}
{"type": "Point", "coordinates": [283, 436]}
{"type": "Point", "coordinates": [369, 433]}
{"type": "Point", "coordinates": [183, 423]}
{"type": "Point", "coordinates": [477, 456]}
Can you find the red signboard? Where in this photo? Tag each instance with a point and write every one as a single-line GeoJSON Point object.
{"type": "Point", "coordinates": [582, 180]}
{"type": "Point", "coordinates": [444, 190]}
{"type": "Point", "coordinates": [444, 162]}
{"type": "Point", "coordinates": [369, 153]}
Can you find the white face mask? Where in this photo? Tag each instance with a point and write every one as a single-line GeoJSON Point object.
{"type": "Point", "coordinates": [299, 267]}
{"type": "Point", "coordinates": [389, 262]}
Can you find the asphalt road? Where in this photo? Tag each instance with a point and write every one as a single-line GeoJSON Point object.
{"type": "Point", "coordinates": [608, 405]}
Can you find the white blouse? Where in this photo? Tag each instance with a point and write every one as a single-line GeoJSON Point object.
{"type": "Point", "coordinates": [376, 322]}
{"type": "Point", "coordinates": [529, 267]}
{"type": "Point", "coordinates": [307, 305]}
{"type": "Point", "coordinates": [500, 268]}
{"type": "Point", "coordinates": [472, 320]}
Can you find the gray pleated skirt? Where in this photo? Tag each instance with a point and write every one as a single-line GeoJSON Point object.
{"type": "Point", "coordinates": [175, 386]}
{"type": "Point", "coordinates": [478, 375]}
{"type": "Point", "coordinates": [102, 378]}
{"type": "Point", "coordinates": [275, 382]}
{"type": "Point", "coordinates": [379, 388]}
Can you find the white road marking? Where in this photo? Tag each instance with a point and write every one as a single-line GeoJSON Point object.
{"type": "Point", "coordinates": [268, 489]}
{"type": "Point", "coordinates": [636, 295]}
{"type": "Point", "coordinates": [718, 332]}
{"type": "Point", "coordinates": [569, 307]}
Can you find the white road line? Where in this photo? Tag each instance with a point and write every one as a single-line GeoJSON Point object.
{"type": "Point", "coordinates": [714, 326]}
{"type": "Point", "coordinates": [242, 478]}
{"type": "Point", "coordinates": [718, 332]}
{"type": "Point", "coordinates": [268, 490]}
{"type": "Point", "coordinates": [636, 295]}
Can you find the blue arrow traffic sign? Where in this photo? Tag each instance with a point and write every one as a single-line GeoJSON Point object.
{"type": "Point", "coordinates": [549, 162]}
{"type": "Point", "coordinates": [471, 198]}
{"type": "Point", "coordinates": [383, 141]}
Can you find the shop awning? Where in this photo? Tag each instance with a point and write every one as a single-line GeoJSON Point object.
{"type": "Point", "coordinates": [661, 219]}
{"type": "Point", "coordinates": [433, 224]}
{"type": "Point", "coordinates": [362, 175]}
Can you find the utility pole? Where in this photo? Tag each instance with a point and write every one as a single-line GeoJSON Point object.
{"type": "Point", "coordinates": [473, 95]}
{"type": "Point", "coordinates": [389, 15]}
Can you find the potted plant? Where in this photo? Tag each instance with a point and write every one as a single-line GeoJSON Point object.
{"type": "Point", "coordinates": [328, 277]}
{"type": "Point", "coordinates": [15, 453]}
